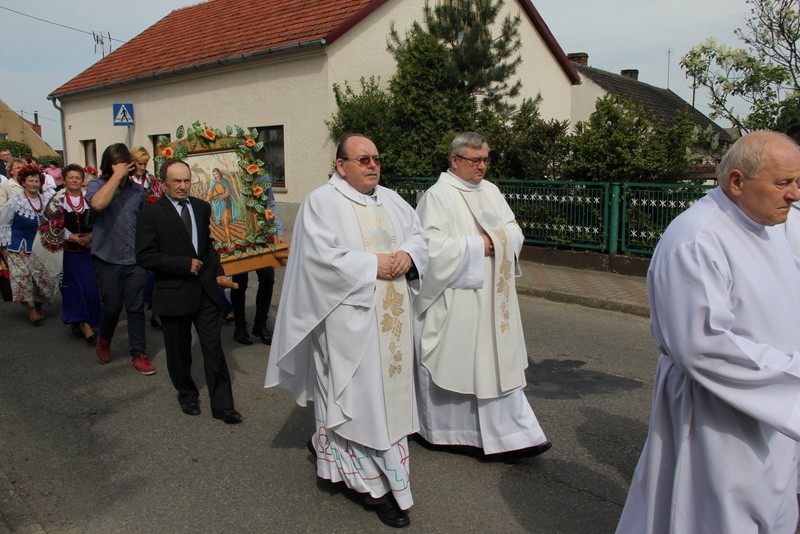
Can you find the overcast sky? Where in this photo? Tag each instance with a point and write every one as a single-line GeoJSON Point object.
{"type": "Point", "coordinates": [39, 56]}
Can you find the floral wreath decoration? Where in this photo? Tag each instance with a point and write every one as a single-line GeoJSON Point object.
{"type": "Point", "coordinates": [199, 138]}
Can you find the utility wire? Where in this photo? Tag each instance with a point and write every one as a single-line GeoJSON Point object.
{"type": "Point", "coordinates": [57, 24]}
{"type": "Point", "coordinates": [22, 114]}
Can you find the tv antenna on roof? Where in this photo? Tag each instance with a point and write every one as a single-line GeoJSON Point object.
{"type": "Point", "coordinates": [100, 40]}
{"type": "Point", "coordinates": [669, 61]}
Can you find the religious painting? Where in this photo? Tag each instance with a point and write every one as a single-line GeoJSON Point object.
{"type": "Point", "coordinates": [215, 179]}
{"type": "Point", "coordinates": [227, 174]}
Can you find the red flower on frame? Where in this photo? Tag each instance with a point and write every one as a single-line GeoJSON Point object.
{"type": "Point", "coordinates": [258, 191]}
{"type": "Point", "coordinates": [209, 134]}
{"type": "Point", "coordinates": [168, 152]}
{"type": "Point", "coordinates": [252, 168]}
{"type": "Point", "coordinates": [249, 142]}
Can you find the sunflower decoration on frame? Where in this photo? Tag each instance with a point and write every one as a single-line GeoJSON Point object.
{"type": "Point", "coordinates": [228, 173]}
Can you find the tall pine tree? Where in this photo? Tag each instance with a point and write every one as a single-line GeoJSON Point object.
{"type": "Point", "coordinates": [481, 62]}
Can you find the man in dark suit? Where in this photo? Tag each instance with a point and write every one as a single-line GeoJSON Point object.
{"type": "Point", "coordinates": [174, 242]}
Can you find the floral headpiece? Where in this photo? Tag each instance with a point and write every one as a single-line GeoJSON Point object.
{"type": "Point", "coordinates": [29, 169]}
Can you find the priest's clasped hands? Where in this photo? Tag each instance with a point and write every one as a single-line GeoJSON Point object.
{"type": "Point", "coordinates": [488, 246]}
{"type": "Point", "coordinates": [394, 265]}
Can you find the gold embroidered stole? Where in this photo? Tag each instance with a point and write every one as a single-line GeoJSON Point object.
{"type": "Point", "coordinates": [392, 309]}
{"type": "Point", "coordinates": [505, 333]}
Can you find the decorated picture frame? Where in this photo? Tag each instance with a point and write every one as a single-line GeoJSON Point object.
{"type": "Point", "coordinates": [227, 173]}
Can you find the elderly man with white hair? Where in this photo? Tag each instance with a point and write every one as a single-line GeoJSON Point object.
{"type": "Point", "coordinates": [721, 451]}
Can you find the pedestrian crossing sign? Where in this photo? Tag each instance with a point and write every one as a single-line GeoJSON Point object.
{"type": "Point", "coordinates": [123, 114]}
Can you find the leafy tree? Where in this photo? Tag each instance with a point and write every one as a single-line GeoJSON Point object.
{"type": "Point", "coordinates": [537, 148]}
{"type": "Point", "coordinates": [762, 74]}
{"type": "Point", "coordinates": [429, 109]}
{"type": "Point", "coordinates": [442, 70]}
{"type": "Point", "coordinates": [790, 113]}
{"type": "Point", "coordinates": [369, 112]}
{"type": "Point", "coordinates": [621, 143]}
{"type": "Point", "coordinates": [45, 161]}
{"type": "Point", "coordinates": [481, 61]}
{"type": "Point", "coordinates": [18, 149]}
{"type": "Point", "coordinates": [525, 146]}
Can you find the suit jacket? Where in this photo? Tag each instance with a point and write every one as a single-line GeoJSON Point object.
{"type": "Point", "coordinates": [164, 247]}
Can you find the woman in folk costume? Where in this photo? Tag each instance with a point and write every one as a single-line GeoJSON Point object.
{"type": "Point", "coordinates": [31, 283]}
{"type": "Point", "coordinates": [66, 226]}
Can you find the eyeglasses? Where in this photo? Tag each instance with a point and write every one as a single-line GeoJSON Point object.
{"type": "Point", "coordinates": [475, 161]}
{"type": "Point", "coordinates": [364, 160]}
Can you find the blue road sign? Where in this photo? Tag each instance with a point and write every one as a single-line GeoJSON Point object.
{"type": "Point", "coordinates": [123, 114]}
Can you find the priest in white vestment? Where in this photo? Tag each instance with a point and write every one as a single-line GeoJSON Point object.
{"type": "Point", "coordinates": [343, 336]}
{"type": "Point", "coordinates": [721, 451]}
{"type": "Point", "coordinates": [472, 355]}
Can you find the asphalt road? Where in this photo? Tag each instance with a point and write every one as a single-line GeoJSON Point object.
{"type": "Point", "coordinates": [86, 447]}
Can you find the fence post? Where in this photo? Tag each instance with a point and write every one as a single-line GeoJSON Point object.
{"type": "Point", "coordinates": [613, 222]}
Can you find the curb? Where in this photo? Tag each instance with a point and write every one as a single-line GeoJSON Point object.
{"type": "Point", "coordinates": [589, 302]}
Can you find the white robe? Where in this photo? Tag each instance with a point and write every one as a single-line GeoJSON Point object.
{"type": "Point", "coordinates": [468, 393]}
{"type": "Point", "coordinates": [325, 345]}
{"type": "Point", "coordinates": [793, 229]}
{"type": "Point", "coordinates": [721, 451]}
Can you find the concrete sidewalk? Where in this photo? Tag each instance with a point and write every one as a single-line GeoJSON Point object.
{"type": "Point", "coordinates": [595, 289]}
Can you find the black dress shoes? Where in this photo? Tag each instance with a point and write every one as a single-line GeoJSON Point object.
{"type": "Point", "coordinates": [388, 511]}
{"type": "Point", "coordinates": [536, 450]}
{"type": "Point", "coordinates": [191, 408]}
{"type": "Point", "coordinates": [241, 335]}
{"type": "Point", "coordinates": [515, 457]}
{"type": "Point", "coordinates": [263, 334]}
{"type": "Point", "coordinates": [229, 417]}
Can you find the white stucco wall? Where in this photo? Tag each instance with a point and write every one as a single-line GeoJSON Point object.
{"type": "Point", "coordinates": [539, 71]}
{"type": "Point", "coordinates": [363, 52]}
{"type": "Point", "coordinates": [291, 92]}
{"type": "Point", "coordinates": [584, 98]}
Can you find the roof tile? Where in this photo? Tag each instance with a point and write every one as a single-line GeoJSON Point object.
{"type": "Point", "coordinates": [218, 30]}
{"type": "Point", "coordinates": [662, 103]}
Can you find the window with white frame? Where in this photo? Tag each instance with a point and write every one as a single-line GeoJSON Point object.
{"type": "Point", "coordinates": [272, 153]}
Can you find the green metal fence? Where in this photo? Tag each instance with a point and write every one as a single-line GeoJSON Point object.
{"type": "Point", "coordinates": [647, 210]}
{"type": "Point", "coordinates": [573, 214]}
{"type": "Point", "coordinates": [585, 215]}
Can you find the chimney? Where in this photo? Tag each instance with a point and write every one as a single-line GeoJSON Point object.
{"type": "Point", "coordinates": [633, 74]}
{"type": "Point", "coordinates": [35, 117]}
{"type": "Point", "coordinates": [579, 58]}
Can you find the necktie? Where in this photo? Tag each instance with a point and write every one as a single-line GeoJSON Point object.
{"type": "Point", "coordinates": [186, 217]}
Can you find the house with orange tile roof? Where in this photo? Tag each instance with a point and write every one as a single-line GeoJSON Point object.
{"type": "Point", "coordinates": [269, 65]}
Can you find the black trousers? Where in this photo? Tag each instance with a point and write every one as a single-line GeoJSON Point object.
{"type": "Point", "coordinates": [121, 285]}
{"type": "Point", "coordinates": [266, 281]}
{"type": "Point", "coordinates": [178, 344]}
